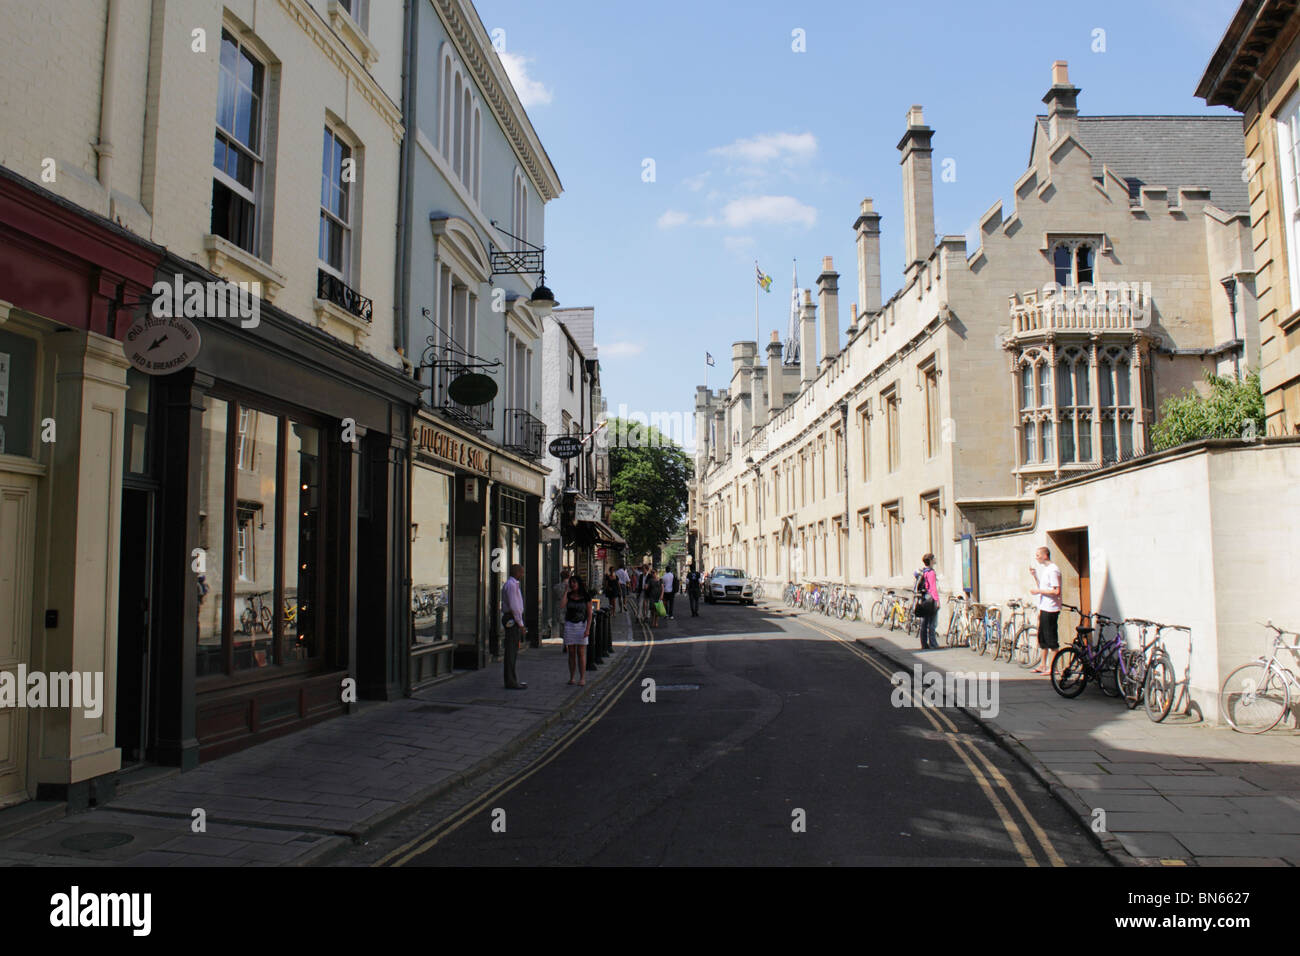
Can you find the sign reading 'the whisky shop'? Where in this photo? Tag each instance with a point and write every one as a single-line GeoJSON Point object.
{"type": "Point", "coordinates": [444, 446]}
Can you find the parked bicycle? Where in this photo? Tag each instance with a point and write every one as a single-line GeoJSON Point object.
{"type": "Point", "coordinates": [256, 614]}
{"type": "Point", "coordinates": [1145, 670]}
{"type": "Point", "coordinates": [1256, 696]}
{"type": "Point", "coordinates": [1074, 665]}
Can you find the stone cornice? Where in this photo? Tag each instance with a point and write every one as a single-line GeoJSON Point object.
{"type": "Point", "coordinates": [338, 53]}
{"type": "Point", "coordinates": [476, 52]}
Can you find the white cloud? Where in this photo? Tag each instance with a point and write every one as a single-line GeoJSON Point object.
{"type": "Point", "coordinates": [671, 218]}
{"type": "Point", "coordinates": [531, 92]}
{"type": "Point", "coordinates": [738, 243]}
{"type": "Point", "coordinates": [696, 183]}
{"type": "Point", "coordinates": [779, 210]}
{"type": "Point", "coordinates": [620, 349]}
{"type": "Point", "coordinates": [769, 147]}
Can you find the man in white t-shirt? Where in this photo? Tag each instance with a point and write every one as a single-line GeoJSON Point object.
{"type": "Point", "coordinates": [1047, 577]}
{"type": "Point", "coordinates": [621, 574]}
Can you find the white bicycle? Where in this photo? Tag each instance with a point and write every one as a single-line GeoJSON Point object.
{"type": "Point", "coordinates": [1257, 695]}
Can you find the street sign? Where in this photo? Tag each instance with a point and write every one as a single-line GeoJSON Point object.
{"type": "Point", "coordinates": [605, 497]}
{"type": "Point", "coordinates": [566, 446]}
{"type": "Point", "coordinates": [587, 510]}
{"type": "Point", "coordinates": [600, 554]}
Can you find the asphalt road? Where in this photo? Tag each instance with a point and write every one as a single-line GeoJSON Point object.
{"type": "Point", "coordinates": [759, 722]}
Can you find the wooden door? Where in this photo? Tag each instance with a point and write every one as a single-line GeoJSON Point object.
{"type": "Point", "coordinates": [17, 531]}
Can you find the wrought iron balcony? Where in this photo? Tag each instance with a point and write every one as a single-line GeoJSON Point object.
{"type": "Point", "coordinates": [523, 433]}
{"type": "Point", "coordinates": [1105, 307]}
{"type": "Point", "coordinates": [333, 289]}
{"type": "Point", "coordinates": [477, 417]}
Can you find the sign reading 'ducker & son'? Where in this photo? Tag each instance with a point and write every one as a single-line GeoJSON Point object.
{"type": "Point", "coordinates": [447, 447]}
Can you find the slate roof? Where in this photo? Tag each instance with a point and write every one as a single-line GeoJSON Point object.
{"type": "Point", "coordinates": [1170, 151]}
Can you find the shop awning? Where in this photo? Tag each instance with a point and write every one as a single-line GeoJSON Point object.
{"type": "Point", "coordinates": [607, 535]}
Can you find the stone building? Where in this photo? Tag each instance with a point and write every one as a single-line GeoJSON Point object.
{"type": "Point", "coordinates": [1121, 272]}
{"type": "Point", "coordinates": [1255, 71]}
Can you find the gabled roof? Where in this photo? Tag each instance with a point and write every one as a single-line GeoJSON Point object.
{"type": "Point", "coordinates": [1169, 151]}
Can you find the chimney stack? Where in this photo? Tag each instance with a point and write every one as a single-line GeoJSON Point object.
{"type": "Point", "coordinates": [853, 319]}
{"type": "Point", "coordinates": [868, 229]}
{"type": "Point", "coordinates": [775, 379]}
{"type": "Point", "coordinates": [918, 191]}
{"type": "Point", "coordinates": [807, 340]}
{"type": "Point", "coordinates": [1062, 103]}
{"type": "Point", "coordinates": [828, 303]}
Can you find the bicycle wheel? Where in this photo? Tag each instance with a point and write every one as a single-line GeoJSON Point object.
{"type": "Point", "coordinates": [954, 625]}
{"type": "Point", "coordinates": [1132, 678]}
{"type": "Point", "coordinates": [1108, 672]}
{"type": "Point", "coordinates": [246, 621]}
{"type": "Point", "coordinates": [1254, 698]}
{"type": "Point", "coordinates": [877, 616]}
{"type": "Point", "coordinates": [1069, 672]}
{"type": "Point", "coordinates": [268, 621]}
{"type": "Point", "coordinates": [1027, 646]}
{"type": "Point", "coordinates": [979, 639]}
{"type": "Point", "coordinates": [852, 609]}
{"type": "Point", "coordinates": [1160, 687]}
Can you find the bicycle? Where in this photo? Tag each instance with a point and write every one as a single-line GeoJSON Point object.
{"type": "Point", "coordinates": [1257, 695]}
{"type": "Point", "coordinates": [1076, 664]}
{"type": "Point", "coordinates": [850, 608]}
{"type": "Point", "coordinates": [992, 636]}
{"type": "Point", "coordinates": [958, 618]}
{"type": "Point", "coordinates": [256, 614]}
{"type": "Point", "coordinates": [791, 593]}
{"type": "Point", "coordinates": [757, 589]}
{"type": "Point", "coordinates": [1021, 634]}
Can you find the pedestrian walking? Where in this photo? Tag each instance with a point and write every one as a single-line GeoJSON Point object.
{"type": "Point", "coordinates": [927, 603]}
{"type": "Point", "coordinates": [611, 588]}
{"type": "Point", "coordinates": [577, 628]}
{"type": "Point", "coordinates": [693, 591]}
{"type": "Point", "coordinates": [638, 594]}
{"type": "Point", "coordinates": [512, 619]}
{"type": "Point", "coordinates": [1047, 578]}
{"type": "Point", "coordinates": [622, 587]}
{"type": "Point", "coordinates": [654, 591]}
{"type": "Point", "coordinates": [670, 589]}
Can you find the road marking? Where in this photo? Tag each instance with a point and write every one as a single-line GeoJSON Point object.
{"type": "Point", "coordinates": [954, 738]}
{"type": "Point", "coordinates": [451, 824]}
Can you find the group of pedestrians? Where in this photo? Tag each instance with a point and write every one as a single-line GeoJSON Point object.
{"type": "Point", "coordinates": [1047, 589]}
{"type": "Point", "coordinates": [649, 596]}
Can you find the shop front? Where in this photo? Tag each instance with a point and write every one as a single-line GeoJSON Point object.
{"type": "Point", "coordinates": [474, 512]}
{"type": "Point", "coordinates": [268, 512]}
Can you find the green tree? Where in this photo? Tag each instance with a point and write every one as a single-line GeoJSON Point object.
{"type": "Point", "coordinates": [1234, 408]}
{"type": "Point", "coordinates": [648, 475]}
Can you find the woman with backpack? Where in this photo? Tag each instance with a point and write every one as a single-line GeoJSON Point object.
{"type": "Point", "coordinates": [927, 603]}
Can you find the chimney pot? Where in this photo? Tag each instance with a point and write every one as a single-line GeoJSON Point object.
{"type": "Point", "coordinates": [827, 264]}
{"type": "Point", "coordinates": [1061, 73]}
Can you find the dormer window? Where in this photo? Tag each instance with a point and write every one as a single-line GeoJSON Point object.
{"type": "Point", "coordinates": [1073, 260]}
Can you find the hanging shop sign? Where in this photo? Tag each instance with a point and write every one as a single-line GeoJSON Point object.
{"type": "Point", "coordinates": [566, 446]}
{"type": "Point", "coordinates": [508, 473]}
{"type": "Point", "coordinates": [585, 510]}
{"type": "Point", "coordinates": [472, 388]}
{"type": "Point", "coordinates": [447, 448]}
{"type": "Point", "coordinates": [161, 345]}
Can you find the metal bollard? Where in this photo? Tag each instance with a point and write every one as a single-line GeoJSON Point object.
{"type": "Point", "coordinates": [594, 644]}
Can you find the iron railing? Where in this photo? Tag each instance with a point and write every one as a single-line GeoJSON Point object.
{"type": "Point", "coordinates": [477, 417]}
{"type": "Point", "coordinates": [333, 289]}
{"type": "Point", "coordinates": [523, 433]}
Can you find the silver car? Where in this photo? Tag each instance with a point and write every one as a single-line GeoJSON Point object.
{"type": "Point", "coordinates": [729, 584]}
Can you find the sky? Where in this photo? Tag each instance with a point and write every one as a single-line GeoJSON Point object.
{"type": "Point", "coordinates": [695, 138]}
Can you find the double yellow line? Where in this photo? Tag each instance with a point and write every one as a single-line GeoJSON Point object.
{"type": "Point", "coordinates": [432, 837]}
{"type": "Point", "coordinates": [986, 778]}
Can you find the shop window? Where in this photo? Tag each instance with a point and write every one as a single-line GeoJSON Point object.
{"type": "Point", "coordinates": [265, 471]}
{"type": "Point", "coordinates": [237, 154]}
{"type": "Point", "coordinates": [430, 555]}
{"type": "Point", "coordinates": [17, 393]}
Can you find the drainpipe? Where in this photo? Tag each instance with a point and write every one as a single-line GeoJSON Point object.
{"type": "Point", "coordinates": [104, 147]}
{"type": "Point", "coordinates": [405, 201]}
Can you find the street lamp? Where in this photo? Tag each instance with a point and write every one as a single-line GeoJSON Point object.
{"type": "Point", "coordinates": [525, 259]}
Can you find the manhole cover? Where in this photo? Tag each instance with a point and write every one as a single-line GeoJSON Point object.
{"type": "Point", "coordinates": [438, 709]}
{"type": "Point", "coordinates": [91, 842]}
{"type": "Point", "coordinates": [677, 687]}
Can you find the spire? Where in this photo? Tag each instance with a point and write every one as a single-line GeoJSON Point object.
{"type": "Point", "coordinates": [792, 336]}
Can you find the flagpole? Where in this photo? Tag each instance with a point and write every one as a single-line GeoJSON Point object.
{"type": "Point", "coordinates": [757, 343]}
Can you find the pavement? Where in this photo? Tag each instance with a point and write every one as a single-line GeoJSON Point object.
{"type": "Point", "coordinates": [305, 797]}
{"type": "Point", "coordinates": [1182, 792]}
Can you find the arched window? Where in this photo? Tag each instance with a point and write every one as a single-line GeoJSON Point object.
{"type": "Point", "coordinates": [1026, 386]}
{"type": "Point", "coordinates": [1083, 264]}
{"type": "Point", "coordinates": [459, 121]}
{"type": "Point", "coordinates": [446, 108]}
{"type": "Point", "coordinates": [467, 117]}
{"type": "Point", "coordinates": [1061, 260]}
{"type": "Point", "coordinates": [478, 156]}
{"type": "Point", "coordinates": [1044, 385]}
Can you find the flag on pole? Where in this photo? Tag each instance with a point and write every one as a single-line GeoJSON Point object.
{"type": "Point", "coordinates": [763, 280]}
{"type": "Point", "coordinates": [708, 359]}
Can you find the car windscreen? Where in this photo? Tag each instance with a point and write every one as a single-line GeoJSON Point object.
{"type": "Point", "coordinates": [728, 573]}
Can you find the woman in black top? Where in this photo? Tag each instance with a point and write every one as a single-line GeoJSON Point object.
{"type": "Point", "coordinates": [654, 590]}
{"type": "Point", "coordinates": [577, 627]}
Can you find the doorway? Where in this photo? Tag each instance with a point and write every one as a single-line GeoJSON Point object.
{"type": "Point", "coordinates": [134, 614]}
{"type": "Point", "coordinates": [17, 564]}
{"type": "Point", "coordinates": [1071, 555]}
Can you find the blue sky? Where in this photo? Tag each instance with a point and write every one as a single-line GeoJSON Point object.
{"type": "Point", "coordinates": [761, 152]}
